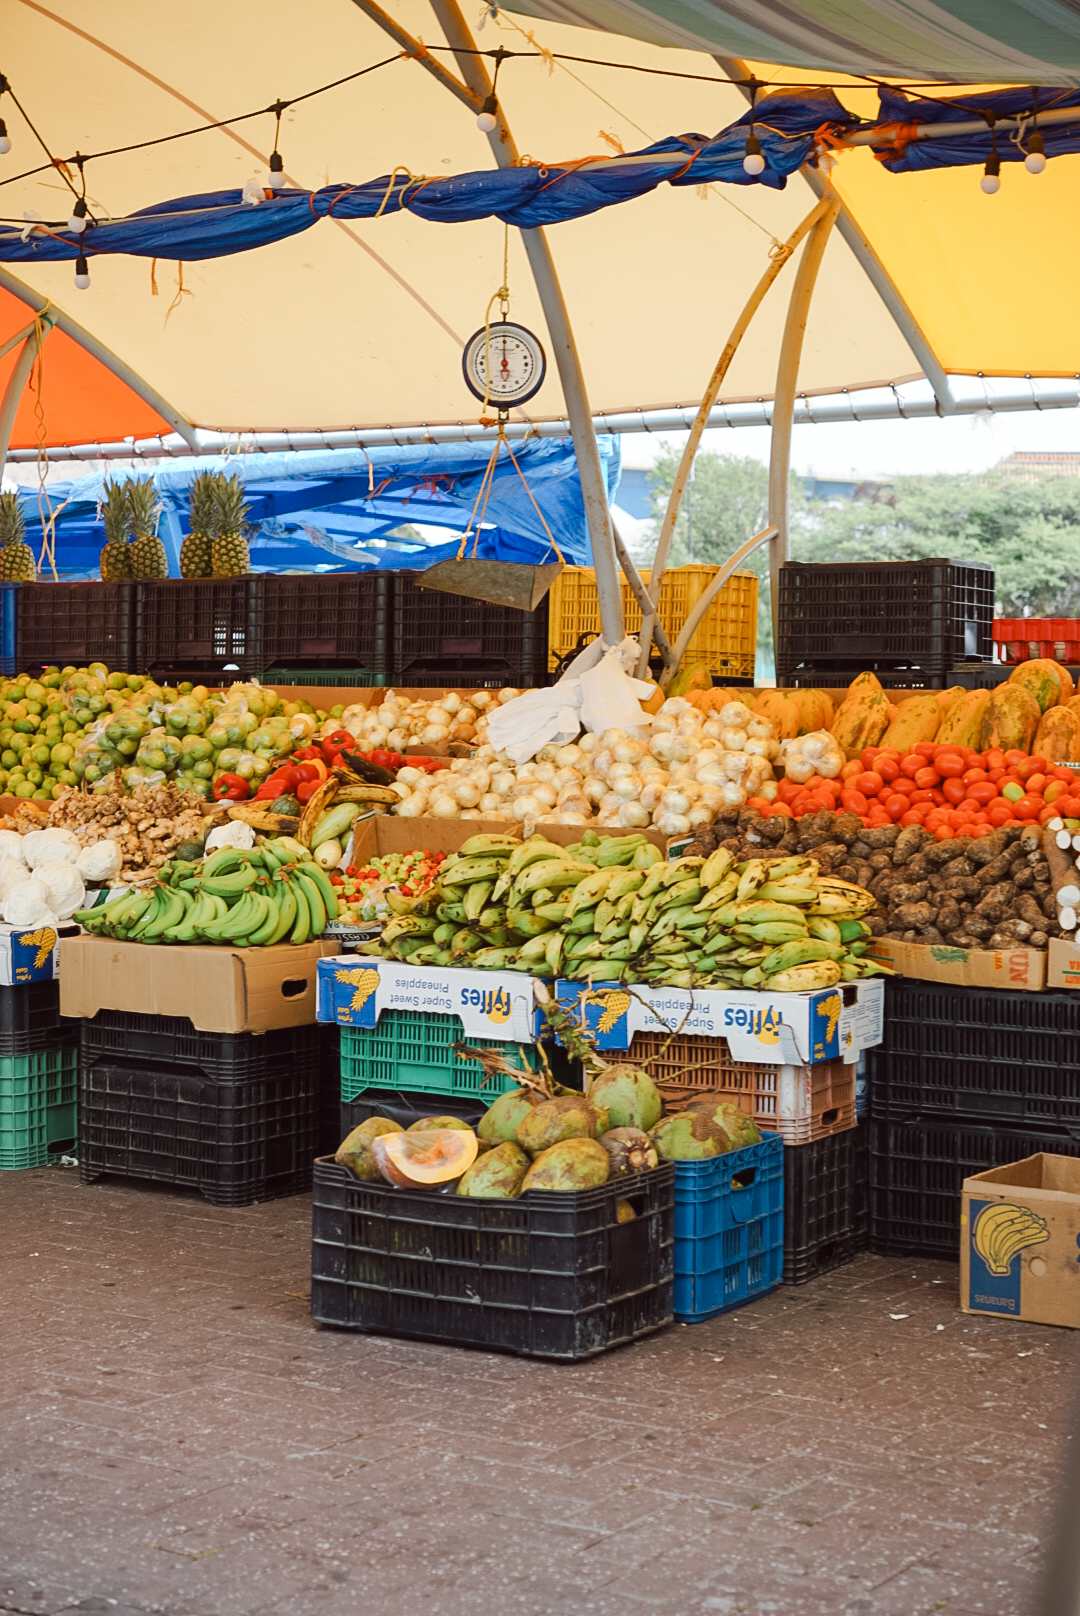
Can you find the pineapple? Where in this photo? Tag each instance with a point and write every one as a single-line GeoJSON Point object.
{"type": "Point", "coordinates": [230, 550]}
{"type": "Point", "coordinates": [148, 559]}
{"type": "Point", "coordinates": [17, 563]}
{"type": "Point", "coordinates": [116, 555]}
{"type": "Point", "coordinates": [196, 552]}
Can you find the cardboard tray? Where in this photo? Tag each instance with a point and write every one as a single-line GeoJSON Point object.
{"type": "Point", "coordinates": [1022, 968]}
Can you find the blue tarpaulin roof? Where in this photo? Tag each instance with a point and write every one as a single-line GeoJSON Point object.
{"type": "Point", "coordinates": [337, 509]}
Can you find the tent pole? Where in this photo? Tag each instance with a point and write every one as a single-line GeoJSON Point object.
{"type": "Point", "coordinates": [34, 300]}
{"type": "Point", "coordinates": [582, 430]}
{"type": "Point", "coordinates": [13, 392]}
{"type": "Point", "coordinates": [783, 418]}
{"type": "Point", "coordinates": [701, 421]}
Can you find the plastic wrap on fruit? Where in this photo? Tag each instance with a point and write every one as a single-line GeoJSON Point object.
{"type": "Point", "coordinates": [816, 753]}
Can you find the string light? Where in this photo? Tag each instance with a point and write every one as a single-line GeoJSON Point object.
{"type": "Point", "coordinates": [487, 118]}
{"type": "Point", "coordinates": [753, 162]}
{"type": "Point", "coordinates": [991, 180]}
{"type": "Point", "coordinates": [5, 143]}
{"type": "Point", "coordinates": [1035, 161]}
{"type": "Point", "coordinates": [82, 273]}
{"type": "Point", "coordinates": [77, 223]}
{"type": "Point", "coordinates": [275, 179]}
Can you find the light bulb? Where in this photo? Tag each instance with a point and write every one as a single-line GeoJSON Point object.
{"type": "Point", "coordinates": [753, 162]}
{"type": "Point", "coordinates": [276, 177]}
{"type": "Point", "coordinates": [1035, 161]}
{"type": "Point", "coordinates": [991, 182]}
{"type": "Point", "coordinates": [77, 222]}
{"type": "Point", "coordinates": [5, 143]}
{"type": "Point", "coordinates": [487, 121]}
{"type": "Point", "coordinates": [82, 273]}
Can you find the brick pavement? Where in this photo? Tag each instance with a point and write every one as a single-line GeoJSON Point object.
{"type": "Point", "coordinates": [177, 1437]}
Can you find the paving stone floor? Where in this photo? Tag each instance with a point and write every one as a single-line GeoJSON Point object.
{"type": "Point", "coordinates": [177, 1437]}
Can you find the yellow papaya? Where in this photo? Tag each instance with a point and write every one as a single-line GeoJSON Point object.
{"type": "Point", "coordinates": [1043, 678]}
{"type": "Point", "coordinates": [946, 698]}
{"type": "Point", "coordinates": [962, 724]}
{"type": "Point", "coordinates": [862, 682]}
{"type": "Point", "coordinates": [1058, 735]}
{"type": "Point", "coordinates": [696, 678]}
{"type": "Point", "coordinates": [861, 721]}
{"type": "Point", "coordinates": [917, 719]}
{"type": "Point", "coordinates": [815, 710]}
{"type": "Point", "coordinates": [831, 701]}
{"type": "Point", "coordinates": [1010, 719]}
{"type": "Point", "coordinates": [779, 708]}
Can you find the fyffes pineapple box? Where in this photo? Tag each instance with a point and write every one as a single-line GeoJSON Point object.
{"type": "Point", "coordinates": [1020, 1241]}
{"type": "Point", "coordinates": [355, 990]}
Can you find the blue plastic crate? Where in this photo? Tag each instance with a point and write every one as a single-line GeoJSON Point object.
{"type": "Point", "coordinates": [9, 617]}
{"type": "Point", "coordinates": [729, 1229]}
{"type": "Point", "coordinates": [411, 1050]}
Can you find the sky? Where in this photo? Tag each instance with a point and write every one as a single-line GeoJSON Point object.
{"type": "Point", "coordinates": [879, 449]}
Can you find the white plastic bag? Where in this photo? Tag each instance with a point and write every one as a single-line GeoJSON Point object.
{"type": "Point", "coordinates": [599, 696]}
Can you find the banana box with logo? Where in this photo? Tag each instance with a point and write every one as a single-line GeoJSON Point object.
{"type": "Point", "coordinates": [29, 954]}
{"type": "Point", "coordinates": [789, 1028]}
{"type": "Point", "coordinates": [354, 990]}
{"type": "Point", "coordinates": [1020, 1241]}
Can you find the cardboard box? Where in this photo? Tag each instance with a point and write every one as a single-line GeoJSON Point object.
{"type": "Point", "coordinates": [785, 1029]}
{"type": "Point", "coordinates": [1023, 968]}
{"type": "Point", "coordinates": [218, 989]}
{"type": "Point", "coordinates": [355, 989]}
{"type": "Point", "coordinates": [1019, 1232]}
{"type": "Point", "coordinates": [388, 833]}
{"type": "Point", "coordinates": [1063, 963]}
{"type": "Point", "coordinates": [30, 954]}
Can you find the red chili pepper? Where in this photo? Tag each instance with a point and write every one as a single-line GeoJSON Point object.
{"type": "Point", "coordinates": [231, 788]}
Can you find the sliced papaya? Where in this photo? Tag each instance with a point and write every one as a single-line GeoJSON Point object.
{"type": "Point", "coordinates": [433, 1156]}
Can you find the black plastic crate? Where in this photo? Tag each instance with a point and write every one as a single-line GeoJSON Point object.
{"type": "Point", "coordinates": [30, 1020]}
{"type": "Point", "coordinates": [78, 623]}
{"type": "Point", "coordinates": [342, 618]}
{"type": "Point", "coordinates": [548, 1275]}
{"type": "Point", "coordinates": [917, 1168]}
{"type": "Point", "coordinates": [201, 625]}
{"type": "Point", "coordinates": [932, 614]}
{"type": "Point", "coordinates": [825, 1212]}
{"type": "Point", "coordinates": [435, 630]}
{"type": "Point", "coordinates": [463, 676]}
{"type": "Point", "coordinates": [810, 678]}
{"type": "Point", "coordinates": [237, 1116]}
{"type": "Point", "coordinates": [405, 1107]}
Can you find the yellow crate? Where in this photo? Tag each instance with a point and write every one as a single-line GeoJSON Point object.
{"type": "Point", "coordinates": [725, 641]}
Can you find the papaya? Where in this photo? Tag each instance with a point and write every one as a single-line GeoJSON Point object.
{"type": "Point", "coordinates": [861, 721]}
{"type": "Point", "coordinates": [917, 719]}
{"type": "Point", "coordinates": [962, 724]}
{"type": "Point", "coordinates": [653, 703]}
{"type": "Point", "coordinates": [1058, 735]}
{"type": "Point", "coordinates": [779, 708]}
{"type": "Point", "coordinates": [820, 708]}
{"type": "Point", "coordinates": [863, 681]}
{"type": "Point", "coordinates": [1043, 678]}
{"type": "Point", "coordinates": [696, 678]}
{"type": "Point", "coordinates": [946, 699]}
{"type": "Point", "coordinates": [1010, 719]}
{"type": "Point", "coordinates": [412, 1160]}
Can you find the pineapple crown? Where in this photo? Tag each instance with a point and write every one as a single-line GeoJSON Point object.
{"type": "Point", "coordinates": [143, 507]}
{"type": "Point", "coordinates": [229, 499]}
{"type": "Point", "coordinates": [114, 511]}
{"type": "Point", "coordinates": [12, 526]}
{"type": "Point", "coordinates": [203, 502]}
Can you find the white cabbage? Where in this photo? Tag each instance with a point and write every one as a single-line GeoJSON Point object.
{"type": "Point", "coordinates": [64, 887]}
{"type": "Point", "coordinates": [13, 873]}
{"type": "Point", "coordinates": [100, 863]}
{"type": "Point", "coordinates": [52, 846]}
{"type": "Point", "coordinates": [234, 834]}
{"type": "Point", "coordinates": [11, 845]}
{"type": "Point", "coordinates": [28, 905]}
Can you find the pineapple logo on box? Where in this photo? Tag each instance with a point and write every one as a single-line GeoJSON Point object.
{"type": "Point", "coordinates": [827, 1011]}
{"type": "Point", "coordinates": [497, 1006]}
{"type": "Point", "coordinates": [1000, 1230]}
{"type": "Point", "coordinates": [359, 1010]}
{"type": "Point", "coordinates": [31, 952]}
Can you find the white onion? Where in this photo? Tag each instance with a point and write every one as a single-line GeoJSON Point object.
{"type": "Point", "coordinates": [611, 737]}
{"type": "Point", "coordinates": [755, 747]}
{"type": "Point", "coordinates": [567, 777]}
{"type": "Point", "coordinates": [712, 797]}
{"type": "Point", "coordinates": [700, 815]}
{"type": "Point", "coordinates": [760, 729]}
{"type": "Point", "coordinates": [402, 789]}
{"type": "Point", "coordinates": [672, 824]}
{"type": "Point", "coordinates": [547, 754]}
{"type": "Point", "coordinates": [411, 776]}
{"type": "Point", "coordinates": [711, 774]}
{"type": "Point", "coordinates": [503, 783]}
{"type": "Point", "coordinates": [662, 725]}
{"type": "Point", "coordinates": [490, 803]}
{"type": "Point", "coordinates": [650, 797]}
{"type": "Point", "coordinates": [545, 771]}
{"type": "Point", "coordinates": [568, 757]}
{"type": "Point", "coordinates": [441, 806]}
{"type": "Point", "coordinates": [628, 786]}
{"type": "Point", "coordinates": [673, 802]}
{"type": "Point", "coordinates": [588, 743]}
{"type": "Point", "coordinates": [508, 694]}
{"type": "Point", "coordinates": [471, 813]}
{"type": "Point", "coordinates": [594, 788]}
{"type": "Point", "coordinates": [396, 739]}
{"type": "Point", "coordinates": [682, 749]}
{"type": "Point", "coordinates": [735, 714]}
{"type": "Point", "coordinates": [650, 765]}
{"type": "Point", "coordinates": [633, 815]}
{"type": "Point", "coordinates": [451, 702]}
{"type": "Point", "coordinates": [712, 729]}
{"type": "Point", "coordinates": [545, 794]}
{"type": "Point", "coordinates": [467, 714]}
{"type": "Point", "coordinates": [412, 808]}
{"type": "Point", "coordinates": [378, 736]}
{"type": "Point", "coordinates": [601, 762]}
{"type": "Point", "coordinates": [577, 805]}
{"type": "Point", "coordinates": [662, 747]}
{"type": "Point", "coordinates": [628, 751]}
{"type": "Point", "coordinates": [610, 803]}
{"type": "Point", "coordinates": [734, 796]}
{"type": "Point", "coordinates": [732, 739]}
{"type": "Point", "coordinates": [674, 705]}
{"type": "Point", "coordinates": [567, 816]}
{"type": "Point", "coordinates": [481, 700]}
{"type": "Point", "coordinates": [434, 735]}
{"type": "Point", "coordinates": [526, 807]}
{"type": "Point", "coordinates": [466, 795]}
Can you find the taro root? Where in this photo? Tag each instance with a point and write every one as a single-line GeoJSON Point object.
{"type": "Point", "coordinates": [1039, 939]}
{"type": "Point", "coordinates": [915, 915]}
{"type": "Point", "coordinates": [957, 867]}
{"type": "Point", "coordinates": [846, 872]}
{"type": "Point", "coordinates": [949, 918]}
{"type": "Point", "coordinates": [860, 849]}
{"type": "Point", "coordinates": [881, 860]}
{"type": "Point", "coordinates": [882, 836]}
{"type": "Point", "coordinates": [963, 887]}
{"type": "Point", "coordinates": [909, 891]}
{"type": "Point", "coordinates": [876, 923]}
{"type": "Point", "coordinates": [930, 934]}
{"type": "Point", "coordinates": [1023, 878]}
{"type": "Point", "coordinates": [908, 843]}
{"type": "Point", "coordinates": [848, 827]}
{"type": "Point", "coordinates": [978, 926]}
{"type": "Point", "coordinates": [1028, 909]}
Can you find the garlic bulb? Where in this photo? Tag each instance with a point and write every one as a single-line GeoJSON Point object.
{"type": "Point", "coordinates": [442, 807]}
{"type": "Point", "coordinates": [489, 803]}
{"type": "Point", "coordinates": [733, 740]}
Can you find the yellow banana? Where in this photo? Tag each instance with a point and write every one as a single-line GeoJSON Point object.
{"type": "Point", "coordinates": [723, 892]}
{"type": "Point", "coordinates": [806, 978]}
{"type": "Point", "coordinates": [805, 951]}
{"type": "Point", "coordinates": [781, 892]}
{"type": "Point", "coordinates": [753, 874]}
{"type": "Point", "coordinates": [824, 928]}
{"type": "Point", "coordinates": [589, 891]}
{"type": "Point", "coordinates": [715, 867]}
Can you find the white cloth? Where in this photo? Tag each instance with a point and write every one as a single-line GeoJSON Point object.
{"type": "Point", "coordinates": [596, 693]}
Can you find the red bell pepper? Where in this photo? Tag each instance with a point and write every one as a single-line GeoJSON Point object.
{"type": "Point", "coordinates": [231, 788]}
{"type": "Point", "coordinates": [307, 789]}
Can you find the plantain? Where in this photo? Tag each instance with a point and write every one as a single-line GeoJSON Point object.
{"type": "Point", "coordinates": [806, 978]}
{"type": "Point", "coordinates": [806, 951]}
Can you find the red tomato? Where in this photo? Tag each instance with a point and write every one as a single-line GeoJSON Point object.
{"type": "Point", "coordinates": [1047, 814]}
{"type": "Point", "coordinates": [973, 775]}
{"type": "Point", "coordinates": [926, 798]}
{"type": "Point", "coordinates": [867, 756]}
{"type": "Point", "coordinates": [994, 758]}
{"type": "Point", "coordinates": [944, 834]}
{"type": "Point", "coordinates": [788, 789]}
{"type": "Point", "coordinates": [948, 764]}
{"type": "Point", "coordinates": [1032, 765]}
{"type": "Point", "coordinates": [850, 770]}
{"type": "Point", "coordinates": [896, 805]}
{"type": "Point", "coordinates": [854, 802]}
{"type": "Point", "coordinates": [1000, 814]}
{"type": "Point", "coordinates": [912, 817]}
{"type": "Point", "coordinates": [983, 830]}
{"type": "Point", "coordinates": [1068, 807]}
{"type": "Point", "coordinates": [1028, 807]}
{"type": "Point", "coordinates": [925, 749]}
{"type": "Point", "coordinates": [1066, 776]}
{"type": "Point", "coordinates": [762, 804]}
{"type": "Point", "coordinates": [780, 810]}
{"type": "Point", "coordinates": [887, 767]}
{"type": "Point", "coordinates": [996, 776]}
{"type": "Point", "coordinates": [957, 820]}
{"type": "Point", "coordinates": [954, 790]}
{"type": "Point", "coordinates": [911, 763]}
{"type": "Point", "coordinates": [969, 805]}
{"type": "Point", "coordinates": [926, 779]}
{"type": "Point", "coordinates": [1013, 757]}
{"type": "Point", "coordinates": [869, 783]}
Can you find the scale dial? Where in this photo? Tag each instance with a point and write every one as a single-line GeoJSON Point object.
{"type": "Point", "coordinates": [516, 359]}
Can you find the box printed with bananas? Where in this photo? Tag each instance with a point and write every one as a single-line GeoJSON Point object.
{"type": "Point", "coordinates": [1020, 1241]}
{"type": "Point", "coordinates": [354, 992]}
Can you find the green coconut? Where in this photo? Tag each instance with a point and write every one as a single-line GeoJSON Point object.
{"type": "Point", "coordinates": [573, 1164]}
{"type": "Point", "coordinates": [428, 1123]}
{"type": "Point", "coordinates": [740, 1129]}
{"type": "Point", "coordinates": [501, 1121]}
{"type": "Point", "coordinates": [552, 1121]}
{"type": "Point", "coordinates": [629, 1096]}
{"type": "Point", "coordinates": [355, 1151]}
{"type": "Point", "coordinates": [497, 1175]}
{"type": "Point", "coordinates": [689, 1136]}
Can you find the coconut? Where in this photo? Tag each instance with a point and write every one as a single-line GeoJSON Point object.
{"type": "Point", "coordinates": [574, 1164]}
{"type": "Point", "coordinates": [740, 1129]}
{"type": "Point", "coordinates": [552, 1121]}
{"type": "Point", "coordinates": [629, 1150]}
{"type": "Point", "coordinates": [628, 1095]}
{"type": "Point", "coordinates": [355, 1151]}
{"type": "Point", "coordinates": [501, 1121]}
{"type": "Point", "coordinates": [438, 1122]}
{"type": "Point", "coordinates": [497, 1175]}
{"type": "Point", "coordinates": [689, 1136]}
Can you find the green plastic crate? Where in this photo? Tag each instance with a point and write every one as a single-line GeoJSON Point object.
{"type": "Point", "coordinates": [329, 678]}
{"type": "Point", "coordinates": [38, 1096]}
{"type": "Point", "coordinates": [415, 1052]}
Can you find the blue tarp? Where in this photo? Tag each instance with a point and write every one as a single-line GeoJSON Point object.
{"type": "Point", "coordinates": [321, 510]}
{"type": "Point", "coordinates": [962, 150]}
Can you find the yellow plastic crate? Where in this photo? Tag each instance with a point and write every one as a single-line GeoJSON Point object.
{"type": "Point", "coordinates": [725, 641]}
